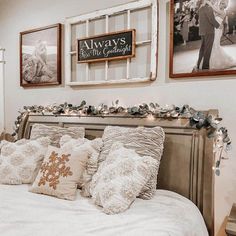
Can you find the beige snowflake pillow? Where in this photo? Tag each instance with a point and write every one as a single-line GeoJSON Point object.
{"type": "Point", "coordinates": [145, 141]}
{"type": "Point", "coordinates": [55, 132]}
{"type": "Point", "coordinates": [62, 169]}
{"type": "Point", "coordinates": [20, 161]}
{"type": "Point", "coordinates": [121, 178]}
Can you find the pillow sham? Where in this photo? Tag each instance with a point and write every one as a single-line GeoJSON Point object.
{"type": "Point", "coordinates": [90, 170]}
{"type": "Point", "coordinates": [20, 161]}
{"type": "Point", "coordinates": [18, 142]}
{"type": "Point", "coordinates": [121, 178]}
{"type": "Point", "coordinates": [62, 169]}
{"type": "Point", "coordinates": [145, 141]}
{"type": "Point", "coordinates": [55, 132]}
{"type": "Point", "coordinates": [93, 148]}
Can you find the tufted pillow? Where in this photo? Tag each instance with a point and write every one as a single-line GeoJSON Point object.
{"type": "Point", "coordinates": [20, 161]}
{"type": "Point", "coordinates": [18, 142]}
{"type": "Point", "coordinates": [120, 178]}
{"type": "Point", "coordinates": [55, 132]}
{"type": "Point", "coordinates": [145, 141]}
{"type": "Point", "coordinates": [62, 169]}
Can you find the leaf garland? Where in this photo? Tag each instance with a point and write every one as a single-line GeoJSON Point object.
{"type": "Point", "coordinates": [196, 118]}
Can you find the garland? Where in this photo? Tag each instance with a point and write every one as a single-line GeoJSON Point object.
{"type": "Point", "coordinates": [197, 119]}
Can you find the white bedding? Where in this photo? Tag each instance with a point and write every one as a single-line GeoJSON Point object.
{"type": "Point", "coordinates": [27, 214]}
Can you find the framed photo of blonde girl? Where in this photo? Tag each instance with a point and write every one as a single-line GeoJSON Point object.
{"type": "Point", "coordinates": [40, 56]}
{"type": "Point", "coordinates": [202, 38]}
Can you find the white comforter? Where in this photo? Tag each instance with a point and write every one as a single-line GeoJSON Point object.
{"type": "Point", "coordinates": [26, 214]}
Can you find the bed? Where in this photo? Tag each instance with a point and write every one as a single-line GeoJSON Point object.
{"type": "Point", "coordinates": [183, 202]}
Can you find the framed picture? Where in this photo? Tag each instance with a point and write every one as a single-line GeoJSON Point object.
{"type": "Point", "coordinates": [202, 38]}
{"type": "Point", "coordinates": [40, 56]}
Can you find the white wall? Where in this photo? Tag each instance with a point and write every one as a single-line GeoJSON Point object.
{"type": "Point", "coordinates": [201, 93]}
{"type": "Point", "coordinates": [2, 125]}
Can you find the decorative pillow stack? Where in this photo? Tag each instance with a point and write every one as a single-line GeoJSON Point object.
{"type": "Point", "coordinates": [145, 141]}
{"type": "Point", "coordinates": [55, 133]}
{"type": "Point", "coordinates": [62, 169]}
{"type": "Point", "coordinates": [20, 161]}
{"type": "Point", "coordinates": [120, 180]}
{"type": "Point", "coordinates": [113, 170]}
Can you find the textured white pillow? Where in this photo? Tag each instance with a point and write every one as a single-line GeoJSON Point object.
{"type": "Point", "coordinates": [55, 133]}
{"type": "Point", "coordinates": [18, 142]}
{"type": "Point", "coordinates": [93, 148]}
{"type": "Point", "coordinates": [20, 161]}
{"type": "Point", "coordinates": [145, 141]}
{"type": "Point", "coordinates": [120, 178]}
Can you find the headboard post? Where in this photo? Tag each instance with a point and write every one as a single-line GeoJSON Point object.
{"type": "Point", "coordinates": [22, 128]}
{"type": "Point", "coordinates": [209, 180]}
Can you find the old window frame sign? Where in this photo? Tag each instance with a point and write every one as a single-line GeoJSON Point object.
{"type": "Point", "coordinates": [106, 47]}
{"type": "Point", "coordinates": [150, 41]}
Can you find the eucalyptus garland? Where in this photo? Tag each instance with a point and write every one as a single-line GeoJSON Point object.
{"type": "Point", "coordinates": [196, 118]}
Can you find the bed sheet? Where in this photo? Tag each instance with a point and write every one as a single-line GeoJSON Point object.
{"type": "Point", "coordinates": [23, 213]}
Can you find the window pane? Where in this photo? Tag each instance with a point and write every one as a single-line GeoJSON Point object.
{"type": "Point", "coordinates": [77, 31]}
{"type": "Point", "coordinates": [140, 65]}
{"type": "Point", "coordinates": [141, 20]}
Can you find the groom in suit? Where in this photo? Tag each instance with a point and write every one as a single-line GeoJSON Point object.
{"type": "Point", "coordinates": [207, 25]}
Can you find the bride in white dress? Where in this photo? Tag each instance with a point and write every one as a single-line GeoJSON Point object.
{"type": "Point", "coordinates": [220, 59]}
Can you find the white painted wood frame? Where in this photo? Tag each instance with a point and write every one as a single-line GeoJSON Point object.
{"type": "Point", "coordinates": [2, 93]}
{"type": "Point", "coordinates": [86, 18]}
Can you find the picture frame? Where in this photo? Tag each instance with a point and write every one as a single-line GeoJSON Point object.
{"type": "Point", "coordinates": [186, 37]}
{"type": "Point", "coordinates": [40, 56]}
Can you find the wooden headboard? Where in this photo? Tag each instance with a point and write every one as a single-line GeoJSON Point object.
{"type": "Point", "coordinates": [186, 166]}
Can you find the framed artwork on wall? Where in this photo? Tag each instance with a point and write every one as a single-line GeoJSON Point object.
{"type": "Point", "coordinates": [202, 38]}
{"type": "Point", "coordinates": [40, 56]}
{"type": "Point", "coordinates": [117, 45]}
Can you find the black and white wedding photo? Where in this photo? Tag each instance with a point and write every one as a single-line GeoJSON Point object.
{"type": "Point", "coordinates": [203, 35]}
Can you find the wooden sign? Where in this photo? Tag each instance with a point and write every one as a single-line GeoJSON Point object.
{"type": "Point", "coordinates": [105, 47]}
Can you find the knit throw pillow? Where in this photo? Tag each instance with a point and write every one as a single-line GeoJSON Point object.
{"type": "Point", "coordinates": [120, 178]}
{"type": "Point", "coordinates": [145, 141]}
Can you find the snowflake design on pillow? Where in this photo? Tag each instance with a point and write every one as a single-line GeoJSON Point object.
{"type": "Point", "coordinates": [54, 169]}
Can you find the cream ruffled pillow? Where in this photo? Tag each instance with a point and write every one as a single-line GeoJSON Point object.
{"type": "Point", "coordinates": [20, 161]}
{"type": "Point", "coordinates": [145, 141]}
{"type": "Point", "coordinates": [62, 169]}
{"type": "Point", "coordinates": [55, 132]}
{"type": "Point", "coordinates": [93, 148]}
{"type": "Point", "coordinates": [120, 178]}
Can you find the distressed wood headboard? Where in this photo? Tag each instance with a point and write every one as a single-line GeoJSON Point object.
{"type": "Point", "coordinates": [186, 166]}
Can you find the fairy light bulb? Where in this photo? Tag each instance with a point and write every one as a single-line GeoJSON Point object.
{"type": "Point", "coordinates": [151, 117]}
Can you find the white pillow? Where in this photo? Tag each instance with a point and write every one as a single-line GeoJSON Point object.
{"type": "Point", "coordinates": [120, 178]}
{"type": "Point", "coordinates": [18, 142]}
{"type": "Point", "coordinates": [92, 147]}
{"type": "Point", "coordinates": [55, 132]}
{"type": "Point", "coordinates": [20, 161]}
{"type": "Point", "coordinates": [145, 141]}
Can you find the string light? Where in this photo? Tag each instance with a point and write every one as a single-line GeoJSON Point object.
{"type": "Point", "coordinates": [150, 111]}
{"type": "Point", "coordinates": [150, 117]}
